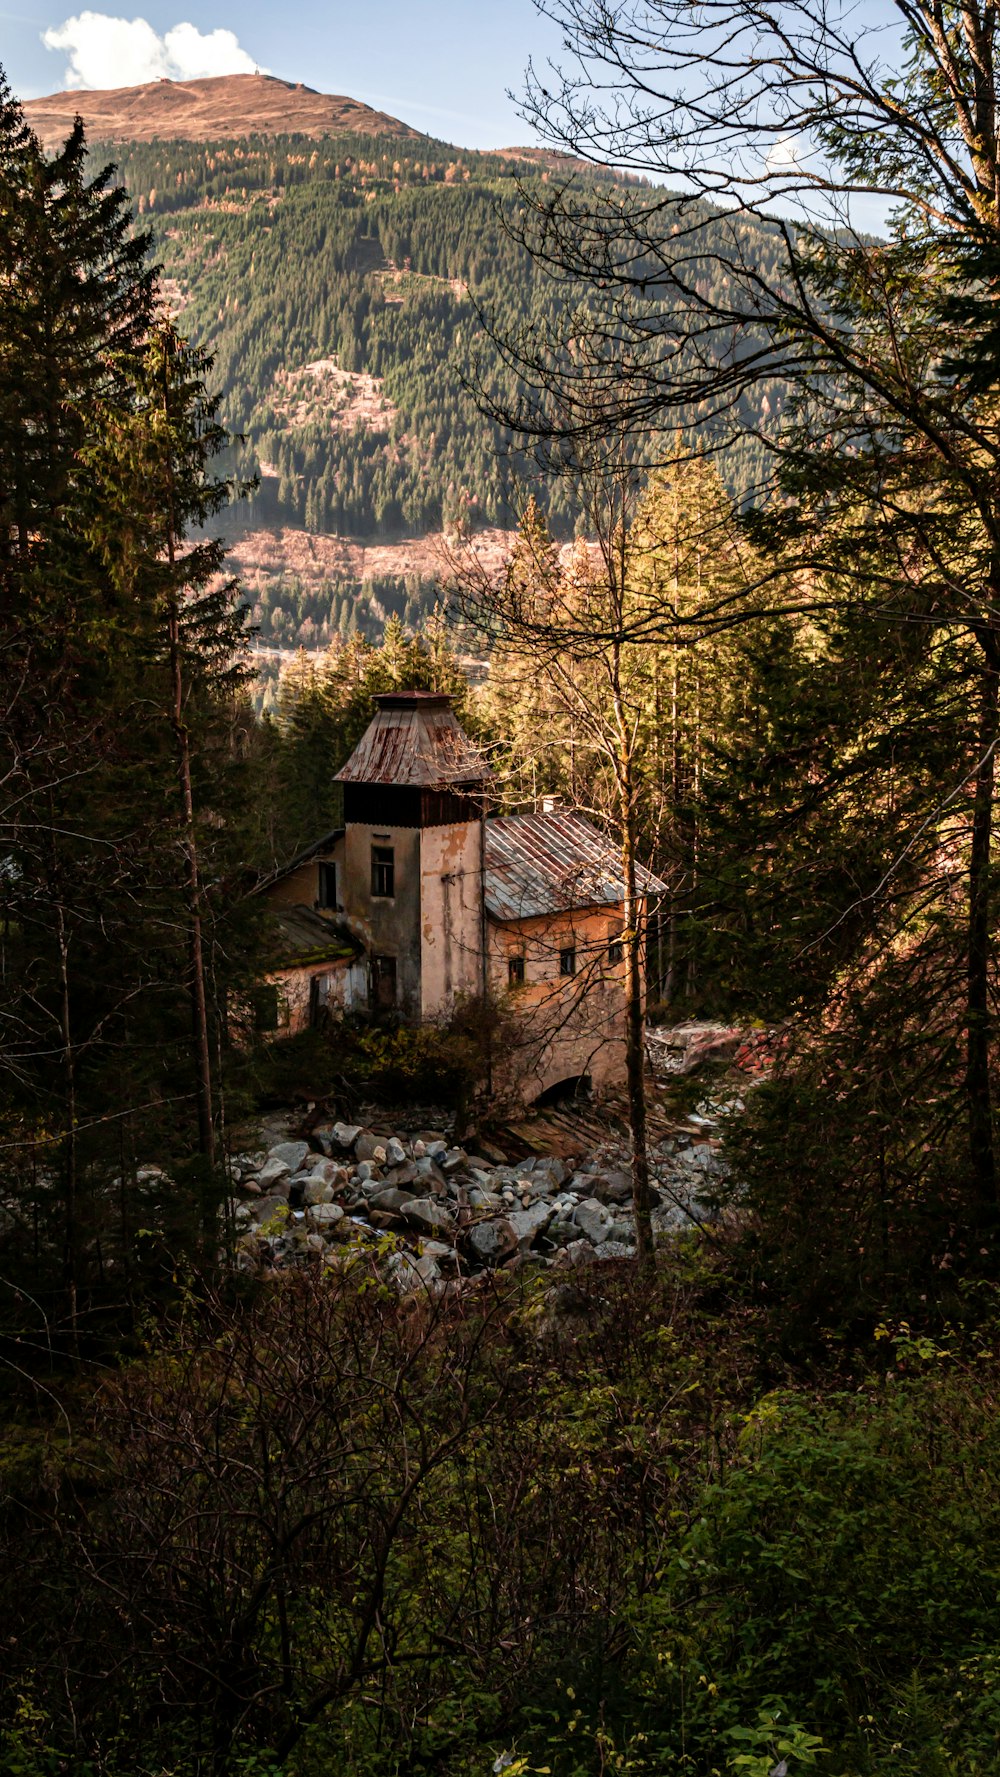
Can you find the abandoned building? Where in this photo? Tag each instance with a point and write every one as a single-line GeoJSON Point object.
{"type": "Point", "coordinates": [423, 897]}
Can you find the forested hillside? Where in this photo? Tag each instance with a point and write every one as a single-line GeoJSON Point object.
{"type": "Point", "coordinates": [337, 283]}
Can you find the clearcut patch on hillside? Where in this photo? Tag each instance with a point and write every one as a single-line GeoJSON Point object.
{"type": "Point", "coordinates": [321, 394]}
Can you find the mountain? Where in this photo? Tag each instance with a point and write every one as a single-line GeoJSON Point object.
{"type": "Point", "coordinates": [339, 284]}
{"type": "Point", "coordinates": [230, 106]}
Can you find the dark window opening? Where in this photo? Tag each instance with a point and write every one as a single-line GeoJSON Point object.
{"type": "Point", "coordinates": [515, 971]}
{"type": "Point", "coordinates": [383, 983]}
{"type": "Point", "coordinates": [316, 1006]}
{"type": "Point", "coordinates": [383, 872]}
{"type": "Point", "coordinates": [567, 961]}
{"type": "Point", "coordinates": [265, 1007]}
{"type": "Point", "coordinates": [327, 896]}
{"type": "Point", "coordinates": [616, 951]}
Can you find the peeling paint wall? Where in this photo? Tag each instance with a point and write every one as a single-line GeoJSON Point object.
{"type": "Point", "coordinates": [450, 916]}
{"type": "Point", "coordinates": [386, 927]}
{"type": "Point", "coordinates": [342, 986]}
{"type": "Point", "coordinates": [570, 1025]}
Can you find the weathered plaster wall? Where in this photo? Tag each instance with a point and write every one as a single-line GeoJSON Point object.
{"type": "Point", "coordinates": [384, 927]}
{"type": "Point", "coordinates": [569, 1025]}
{"type": "Point", "coordinates": [300, 888]}
{"type": "Point", "coordinates": [451, 945]}
{"type": "Point", "coordinates": [342, 987]}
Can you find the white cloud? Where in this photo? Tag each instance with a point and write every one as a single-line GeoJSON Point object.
{"type": "Point", "coordinates": [105, 51]}
{"type": "Point", "coordinates": [786, 155]}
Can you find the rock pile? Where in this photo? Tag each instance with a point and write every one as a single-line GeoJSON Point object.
{"type": "Point", "coordinates": [436, 1213]}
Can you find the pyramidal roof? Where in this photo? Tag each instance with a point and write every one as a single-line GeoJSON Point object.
{"type": "Point", "coordinates": [417, 741]}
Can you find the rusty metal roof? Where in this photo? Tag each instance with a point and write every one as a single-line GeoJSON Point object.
{"type": "Point", "coordinates": [539, 864]}
{"type": "Point", "coordinates": [416, 740]}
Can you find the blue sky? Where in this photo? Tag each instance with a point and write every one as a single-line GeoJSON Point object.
{"type": "Point", "coordinates": [442, 65]}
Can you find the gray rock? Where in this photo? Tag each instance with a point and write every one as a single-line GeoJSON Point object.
{"type": "Point", "coordinates": [537, 1190]}
{"type": "Point", "coordinates": [592, 1220]}
{"type": "Point", "coordinates": [551, 1168]}
{"type": "Point", "coordinates": [561, 1230]}
{"type": "Point", "coordinates": [368, 1170]}
{"type": "Point", "coordinates": [325, 1215]}
{"type": "Point", "coordinates": [316, 1190]}
{"type": "Point", "coordinates": [293, 1153]}
{"type": "Point", "coordinates": [429, 1215]}
{"type": "Point", "coordinates": [611, 1187]}
{"type": "Point", "coordinates": [390, 1199]}
{"type": "Point", "coordinates": [270, 1209]}
{"type": "Point", "coordinates": [370, 1147]}
{"type": "Point", "coordinates": [491, 1242]}
{"type": "Point", "coordinates": [406, 1174]}
{"type": "Point", "coordinates": [273, 1170]}
{"type": "Point", "coordinates": [613, 1249]}
{"type": "Point", "coordinates": [409, 1274]}
{"type": "Point", "coordinates": [529, 1223]}
{"type": "Point", "coordinates": [430, 1175]}
{"type": "Point", "coordinates": [320, 1167]}
{"type": "Point", "coordinates": [581, 1252]}
{"type": "Point", "coordinates": [435, 1149]}
{"type": "Point", "coordinates": [395, 1152]}
{"type": "Point", "coordinates": [480, 1199]}
{"type": "Point", "coordinates": [452, 1160]}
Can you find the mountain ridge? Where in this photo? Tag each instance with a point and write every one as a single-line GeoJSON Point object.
{"type": "Point", "coordinates": [227, 106]}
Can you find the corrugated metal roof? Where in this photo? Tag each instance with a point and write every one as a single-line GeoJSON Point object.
{"type": "Point", "coordinates": [538, 864]}
{"type": "Point", "coordinates": [306, 936]}
{"type": "Point", "coordinates": [416, 741]}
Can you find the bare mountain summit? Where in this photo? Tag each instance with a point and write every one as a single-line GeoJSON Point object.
{"type": "Point", "coordinates": [231, 105]}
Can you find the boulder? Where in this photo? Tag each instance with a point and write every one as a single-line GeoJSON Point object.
{"type": "Point", "coordinates": [452, 1160]}
{"type": "Point", "coordinates": [611, 1187]}
{"type": "Point", "coordinates": [479, 1198]}
{"type": "Point", "coordinates": [406, 1174]}
{"type": "Point", "coordinates": [270, 1209]}
{"type": "Point", "coordinates": [613, 1249]}
{"type": "Point", "coordinates": [293, 1153]}
{"type": "Point", "coordinates": [408, 1273]}
{"type": "Point", "coordinates": [395, 1153]}
{"type": "Point", "coordinates": [489, 1243]}
{"type": "Point", "coordinates": [325, 1216]}
{"type": "Point", "coordinates": [428, 1215]}
{"type": "Point", "coordinates": [550, 1167]}
{"type": "Point", "coordinates": [389, 1199]}
{"type": "Point", "coordinates": [370, 1147]}
{"type": "Point", "coordinates": [592, 1220]}
{"type": "Point", "coordinates": [367, 1169]}
{"type": "Point", "coordinates": [529, 1223]}
{"type": "Point", "coordinates": [581, 1252]}
{"type": "Point", "coordinates": [272, 1172]}
{"type": "Point", "coordinates": [316, 1190]}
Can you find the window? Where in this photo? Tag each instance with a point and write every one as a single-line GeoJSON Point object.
{"type": "Point", "coordinates": [567, 961]}
{"type": "Point", "coordinates": [515, 971]}
{"type": "Point", "coordinates": [383, 983]}
{"type": "Point", "coordinates": [383, 872]}
{"type": "Point", "coordinates": [327, 896]}
{"type": "Point", "coordinates": [616, 952]}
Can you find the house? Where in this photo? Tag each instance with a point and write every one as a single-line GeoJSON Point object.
{"type": "Point", "coordinates": [424, 898]}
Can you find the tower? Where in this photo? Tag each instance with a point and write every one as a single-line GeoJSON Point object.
{"type": "Point", "coordinates": [415, 791]}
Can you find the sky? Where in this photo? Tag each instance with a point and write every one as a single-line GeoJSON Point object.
{"type": "Point", "coordinates": [444, 66]}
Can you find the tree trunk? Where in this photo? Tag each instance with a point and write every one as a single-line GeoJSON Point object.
{"type": "Point", "coordinates": [635, 1052]}
{"type": "Point", "coordinates": [71, 1244]}
{"type": "Point", "coordinates": [196, 956]}
{"type": "Point", "coordinates": [978, 1091]}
